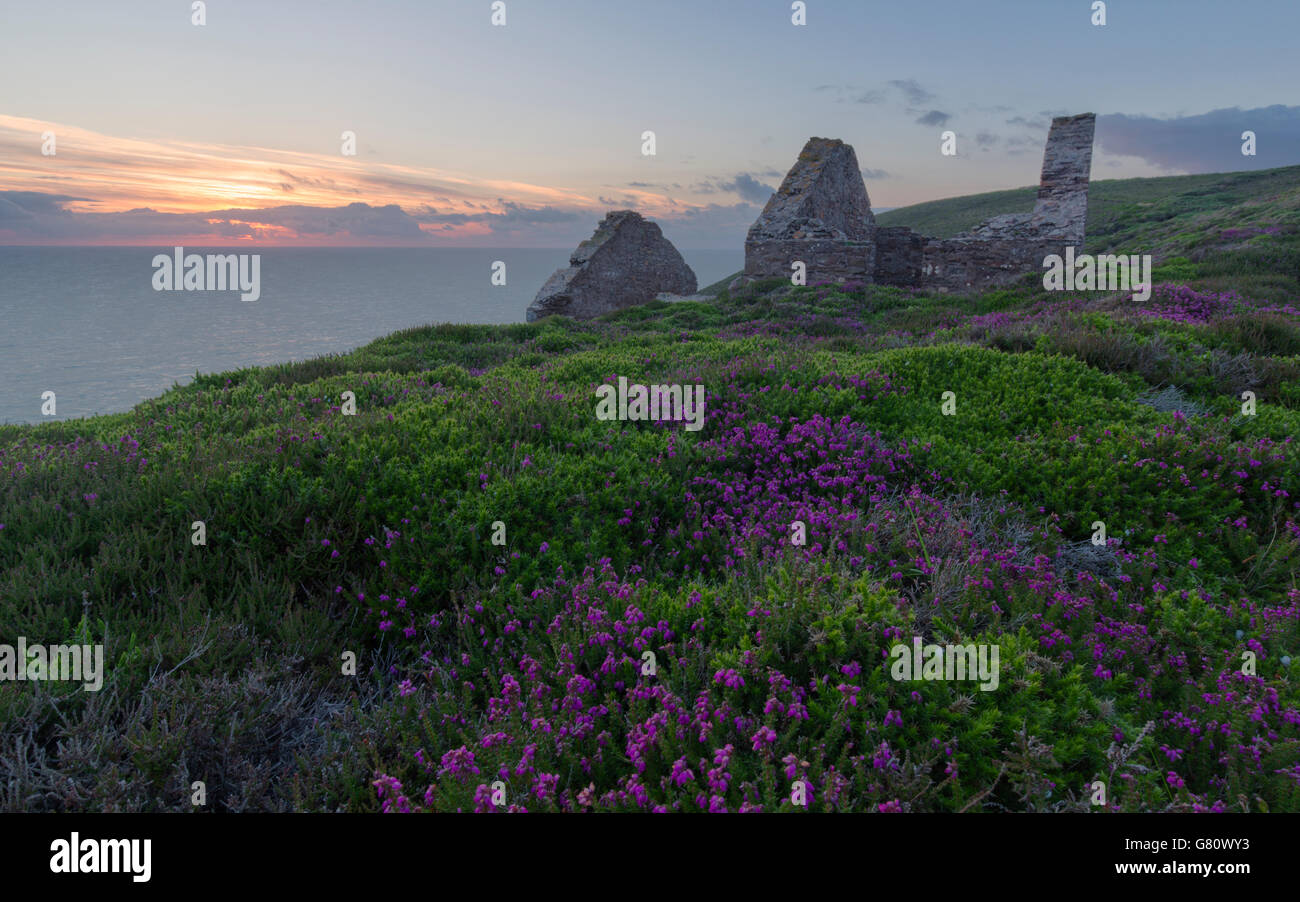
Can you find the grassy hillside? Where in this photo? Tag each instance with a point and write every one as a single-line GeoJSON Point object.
{"type": "Point", "coordinates": [617, 614]}
{"type": "Point", "coordinates": [1165, 216]}
{"type": "Point", "coordinates": [945, 218]}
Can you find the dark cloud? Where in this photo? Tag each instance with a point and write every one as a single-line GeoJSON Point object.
{"type": "Point", "coordinates": [654, 186]}
{"type": "Point", "coordinates": [840, 93]}
{"type": "Point", "coordinates": [431, 216]}
{"type": "Point", "coordinates": [934, 117]}
{"type": "Point", "coordinates": [519, 213]}
{"type": "Point", "coordinates": [913, 94]}
{"type": "Point", "coordinates": [875, 174]}
{"type": "Point", "coordinates": [912, 91]}
{"type": "Point", "coordinates": [16, 206]}
{"type": "Point", "coordinates": [356, 219]}
{"type": "Point", "coordinates": [512, 214]}
{"type": "Point", "coordinates": [743, 183]}
{"type": "Point", "coordinates": [749, 188]}
{"type": "Point", "coordinates": [28, 215]}
{"type": "Point", "coordinates": [1209, 142]}
{"type": "Point", "coordinates": [1022, 144]}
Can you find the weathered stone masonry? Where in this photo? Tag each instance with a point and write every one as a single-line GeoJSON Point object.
{"type": "Point", "coordinates": [627, 261]}
{"type": "Point", "coordinates": [821, 215]}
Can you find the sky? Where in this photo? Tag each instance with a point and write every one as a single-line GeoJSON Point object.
{"type": "Point", "coordinates": [524, 134]}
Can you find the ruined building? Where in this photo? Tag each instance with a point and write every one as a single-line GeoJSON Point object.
{"type": "Point", "coordinates": [821, 215]}
{"type": "Point", "coordinates": [627, 261]}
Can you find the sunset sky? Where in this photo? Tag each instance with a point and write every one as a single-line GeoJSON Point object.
{"type": "Point", "coordinates": [470, 134]}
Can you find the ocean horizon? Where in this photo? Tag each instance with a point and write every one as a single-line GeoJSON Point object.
{"type": "Point", "coordinates": [87, 323]}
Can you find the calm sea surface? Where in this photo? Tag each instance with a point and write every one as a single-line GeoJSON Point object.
{"type": "Point", "coordinates": [86, 323]}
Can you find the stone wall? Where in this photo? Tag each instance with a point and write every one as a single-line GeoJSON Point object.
{"type": "Point", "coordinates": [900, 255]}
{"type": "Point", "coordinates": [826, 260]}
{"type": "Point", "coordinates": [963, 265]}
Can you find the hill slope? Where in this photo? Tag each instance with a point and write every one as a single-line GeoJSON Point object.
{"type": "Point", "coordinates": [1165, 215]}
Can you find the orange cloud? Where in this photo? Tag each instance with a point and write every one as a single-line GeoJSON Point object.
{"type": "Point", "coordinates": [160, 185]}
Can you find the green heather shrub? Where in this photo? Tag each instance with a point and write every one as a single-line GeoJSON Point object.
{"type": "Point", "coordinates": [1268, 334]}
{"type": "Point", "coordinates": [1175, 269]}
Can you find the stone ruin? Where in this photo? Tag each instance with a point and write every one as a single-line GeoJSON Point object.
{"type": "Point", "coordinates": [821, 215]}
{"type": "Point", "coordinates": [627, 261]}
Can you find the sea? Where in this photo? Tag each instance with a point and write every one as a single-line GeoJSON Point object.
{"type": "Point", "coordinates": [87, 324]}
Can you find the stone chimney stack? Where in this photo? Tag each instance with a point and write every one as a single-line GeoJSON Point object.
{"type": "Point", "coordinates": [1062, 206]}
